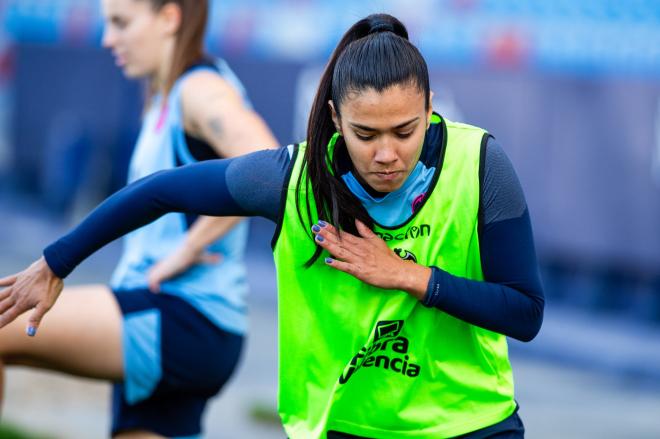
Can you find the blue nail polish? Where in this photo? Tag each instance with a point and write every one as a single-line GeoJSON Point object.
{"type": "Point", "coordinates": [319, 238]}
{"type": "Point", "coordinates": [316, 228]}
{"type": "Point", "coordinates": [31, 331]}
{"type": "Point", "coordinates": [328, 260]}
{"type": "Point", "coordinates": [322, 223]}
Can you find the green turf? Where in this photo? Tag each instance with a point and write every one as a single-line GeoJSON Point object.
{"type": "Point", "coordinates": [11, 432]}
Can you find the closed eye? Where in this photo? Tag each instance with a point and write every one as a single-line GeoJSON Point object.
{"type": "Point", "coordinates": [364, 137]}
{"type": "Point", "coordinates": [119, 22]}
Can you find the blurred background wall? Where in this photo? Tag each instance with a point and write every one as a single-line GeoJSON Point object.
{"type": "Point", "coordinates": [570, 88]}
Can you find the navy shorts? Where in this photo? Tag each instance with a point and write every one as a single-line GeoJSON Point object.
{"type": "Point", "coordinates": [195, 359]}
{"type": "Point", "coordinates": [510, 428]}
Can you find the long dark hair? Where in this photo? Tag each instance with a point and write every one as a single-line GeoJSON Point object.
{"type": "Point", "coordinates": [189, 47]}
{"type": "Point", "coordinates": [374, 53]}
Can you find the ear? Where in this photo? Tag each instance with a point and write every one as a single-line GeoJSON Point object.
{"type": "Point", "coordinates": [430, 112]}
{"type": "Point", "coordinates": [170, 17]}
{"type": "Point", "coordinates": [335, 117]}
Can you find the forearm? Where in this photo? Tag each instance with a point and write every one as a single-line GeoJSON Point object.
{"type": "Point", "coordinates": [491, 306]}
{"type": "Point", "coordinates": [198, 189]}
{"type": "Point", "coordinates": [510, 300]}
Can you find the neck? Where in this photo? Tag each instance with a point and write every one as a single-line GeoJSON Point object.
{"type": "Point", "coordinates": [162, 73]}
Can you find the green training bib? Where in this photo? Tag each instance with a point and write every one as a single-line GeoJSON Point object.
{"type": "Point", "coordinates": [377, 363]}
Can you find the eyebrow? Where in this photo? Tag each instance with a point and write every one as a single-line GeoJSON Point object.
{"type": "Point", "coordinates": [366, 128]}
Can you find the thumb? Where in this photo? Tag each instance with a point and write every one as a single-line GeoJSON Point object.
{"type": "Point", "coordinates": [154, 286]}
{"type": "Point", "coordinates": [153, 281]}
{"type": "Point", "coordinates": [35, 320]}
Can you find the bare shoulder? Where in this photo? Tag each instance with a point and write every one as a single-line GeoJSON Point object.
{"type": "Point", "coordinates": [214, 111]}
{"type": "Point", "coordinates": [206, 96]}
{"type": "Point", "coordinates": [207, 85]}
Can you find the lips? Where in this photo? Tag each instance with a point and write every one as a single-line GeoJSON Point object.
{"type": "Point", "coordinates": [387, 175]}
{"type": "Point", "coordinates": [120, 60]}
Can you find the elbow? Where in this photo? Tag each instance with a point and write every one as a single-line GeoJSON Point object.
{"type": "Point", "coordinates": [534, 322]}
{"type": "Point", "coordinates": [529, 335]}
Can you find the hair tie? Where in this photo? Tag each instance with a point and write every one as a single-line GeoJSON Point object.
{"type": "Point", "coordinates": [382, 26]}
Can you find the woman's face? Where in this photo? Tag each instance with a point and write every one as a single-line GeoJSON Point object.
{"type": "Point", "coordinates": [136, 34]}
{"type": "Point", "coordinates": [384, 133]}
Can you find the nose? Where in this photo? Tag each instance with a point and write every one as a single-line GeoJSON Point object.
{"type": "Point", "coordinates": [109, 38]}
{"type": "Point", "coordinates": [385, 152]}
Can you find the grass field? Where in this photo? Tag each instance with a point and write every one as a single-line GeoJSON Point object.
{"type": "Point", "coordinates": [11, 432]}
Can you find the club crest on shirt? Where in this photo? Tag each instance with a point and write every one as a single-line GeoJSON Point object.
{"type": "Point", "coordinates": [417, 202]}
{"type": "Point", "coordinates": [406, 255]}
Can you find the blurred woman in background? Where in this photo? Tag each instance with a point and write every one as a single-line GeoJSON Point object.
{"type": "Point", "coordinates": [166, 353]}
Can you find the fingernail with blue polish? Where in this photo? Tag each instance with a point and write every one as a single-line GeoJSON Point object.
{"type": "Point", "coordinates": [328, 260]}
{"type": "Point", "coordinates": [322, 223]}
{"type": "Point", "coordinates": [31, 331]}
{"type": "Point", "coordinates": [316, 228]}
{"type": "Point", "coordinates": [319, 238]}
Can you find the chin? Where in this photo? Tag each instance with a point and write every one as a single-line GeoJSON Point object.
{"type": "Point", "coordinates": [133, 73]}
{"type": "Point", "coordinates": [385, 187]}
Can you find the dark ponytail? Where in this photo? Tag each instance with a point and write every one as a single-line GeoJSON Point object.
{"type": "Point", "coordinates": [189, 46]}
{"type": "Point", "coordinates": [373, 53]}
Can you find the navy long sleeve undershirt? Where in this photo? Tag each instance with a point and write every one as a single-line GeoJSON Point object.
{"type": "Point", "coordinates": [510, 301]}
{"type": "Point", "coordinates": [199, 188]}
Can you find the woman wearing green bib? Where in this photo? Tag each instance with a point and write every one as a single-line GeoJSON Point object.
{"type": "Point", "coordinates": [403, 249]}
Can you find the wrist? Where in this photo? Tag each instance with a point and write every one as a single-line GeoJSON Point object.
{"type": "Point", "coordinates": [42, 270]}
{"type": "Point", "coordinates": [192, 247]}
{"type": "Point", "coordinates": [43, 264]}
{"type": "Point", "coordinates": [51, 259]}
{"type": "Point", "coordinates": [414, 279]}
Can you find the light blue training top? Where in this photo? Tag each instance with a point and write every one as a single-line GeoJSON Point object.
{"type": "Point", "coordinates": [218, 291]}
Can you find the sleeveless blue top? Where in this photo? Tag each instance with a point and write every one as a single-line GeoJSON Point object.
{"type": "Point", "coordinates": [217, 290]}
